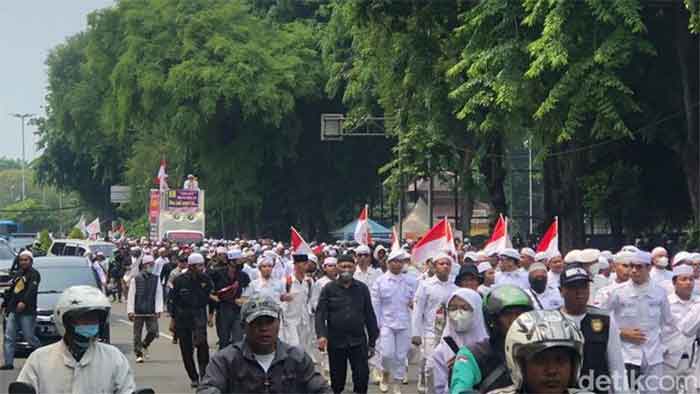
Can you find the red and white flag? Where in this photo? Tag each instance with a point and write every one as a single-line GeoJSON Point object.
{"type": "Point", "coordinates": [362, 233]}
{"type": "Point", "coordinates": [395, 243]}
{"type": "Point", "coordinates": [93, 228]}
{"type": "Point", "coordinates": [437, 240]}
{"type": "Point", "coordinates": [162, 178]}
{"type": "Point", "coordinates": [299, 246]}
{"type": "Point", "coordinates": [550, 241]}
{"type": "Point", "coordinates": [499, 238]}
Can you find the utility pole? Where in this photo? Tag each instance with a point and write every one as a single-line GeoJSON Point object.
{"type": "Point", "coordinates": [24, 158]}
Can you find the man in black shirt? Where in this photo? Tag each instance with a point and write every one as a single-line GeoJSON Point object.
{"type": "Point", "coordinates": [343, 314]}
{"type": "Point", "coordinates": [191, 295]}
{"type": "Point", "coordinates": [229, 284]}
{"type": "Point", "coordinates": [20, 304]}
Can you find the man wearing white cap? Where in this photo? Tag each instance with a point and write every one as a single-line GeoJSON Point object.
{"type": "Point", "coordinates": [659, 261]}
{"type": "Point", "coordinates": [527, 257]}
{"type": "Point", "coordinates": [297, 326]}
{"type": "Point", "coordinates": [622, 275]}
{"type": "Point", "coordinates": [488, 273]}
{"type": "Point", "coordinates": [641, 310]}
{"type": "Point", "coordinates": [392, 295]}
{"type": "Point", "coordinates": [509, 273]}
{"type": "Point", "coordinates": [543, 296]}
{"type": "Point", "coordinates": [144, 306]}
{"type": "Point", "coordinates": [555, 263]}
{"type": "Point", "coordinates": [432, 294]}
{"type": "Point", "coordinates": [682, 353]}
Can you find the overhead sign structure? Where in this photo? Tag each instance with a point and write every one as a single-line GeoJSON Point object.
{"type": "Point", "coordinates": [119, 194]}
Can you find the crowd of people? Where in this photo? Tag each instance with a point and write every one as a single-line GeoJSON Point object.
{"type": "Point", "coordinates": [508, 321]}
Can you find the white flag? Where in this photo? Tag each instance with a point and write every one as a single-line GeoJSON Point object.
{"type": "Point", "coordinates": [94, 228]}
{"type": "Point", "coordinates": [81, 225]}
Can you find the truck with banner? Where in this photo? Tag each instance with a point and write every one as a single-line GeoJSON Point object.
{"type": "Point", "coordinates": [177, 215]}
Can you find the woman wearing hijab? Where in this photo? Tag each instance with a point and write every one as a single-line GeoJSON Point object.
{"type": "Point", "coordinates": [464, 328]}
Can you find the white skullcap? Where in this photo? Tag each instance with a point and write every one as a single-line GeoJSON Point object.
{"type": "Point", "coordinates": [554, 255]}
{"type": "Point", "coordinates": [588, 256]}
{"type": "Point", "coordinates": [527, 252]}
{"type": "Point", "coordinates": [26, 253]}
{"type": "Point", "coordinates": [572, 256]}
{"type": "Point", "coordinates": [220, 250]}
{"type": "Point", "coordinates": [398, 254]}
{"type": "Point", "coordinates": [695, 257]}
{"type": "Point", "coordinates": [682, 269]}
{"type": "Point", "coordinates": [658, 251]}
{"type": "Point", "coordinates": [607, 254]}
{"type": "Point", "coordinates": [234, 254]}
{"type": "Point", "coordinates": [330, 261]}
{"type": "Point", "coordinates": [537, 267]}
{"type": "Point", "coordinates": [541, 257]}
{"type": "Point", "coordinates": [267, 260]}
{"type": "Point", "coordinates": [680, 257]}
{"type": "Point", "coordinates": [483, 267]}
{"type": "Point", "coordinates": [471, 256]}
{"type": "Point", "coordinates": [442, 256]}
{"type": "Point", "coordinates": [314, 258]}
{"type": "Point", "coordinates": [642, 257]}
{"type": "Point", "coordinates": [624, 257]}
{"type": "Point", "coordinates": [630, 248]}
{"type": "Point", "coordinates": [195, 258]}
{"type": "Point", "coordinates": [481, 255]}
{"type": "Point", "coordinates": [362, 249]}
{"type": "Point", "coordinates": [510, 253]}
{"type": "Point", "coordinates": [603, 263]}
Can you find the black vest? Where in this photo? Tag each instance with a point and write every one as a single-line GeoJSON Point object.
{"type": "Point", "coordinates": [596, 331]}
{"type": "Point", "coordinates": [145, 296]}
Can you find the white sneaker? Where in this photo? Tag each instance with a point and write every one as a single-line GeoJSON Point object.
{"type": "Point", "coordinates": [397, 389]}
{"type": "Point", "coordinates": [376, 376]}
{"type": "Point", "coordinates": [384, 383]}
{"type": "Point", "coordinates": [404, 380]}
{"type": "Point", "coordinates": [139, 359]}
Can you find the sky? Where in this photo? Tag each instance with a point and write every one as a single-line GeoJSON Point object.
{"type": "Point", "coordinates": [28, 31]}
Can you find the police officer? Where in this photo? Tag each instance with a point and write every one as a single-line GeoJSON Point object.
{"type": "Point", "coordinates": [190, 297]}
{"type": "Point", "coordinates": [432, 295]}
{"type": "Point", "coordinates": [600, 332]}
{"type": "Point", "coordinates": [641, 309]}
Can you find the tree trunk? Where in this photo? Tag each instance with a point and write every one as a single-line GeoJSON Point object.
{"type": "Point", "coordinates": [495, 173]}
{"type": "Point", "coordinates": [564, 197]}
{"type": "Point", "coordinates": [687, 61]}
{"type": "Point", "coordinates": [467, 188]}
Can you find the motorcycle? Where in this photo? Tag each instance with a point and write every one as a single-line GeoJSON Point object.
{"type": "Point", "coordinates": [25, 388]}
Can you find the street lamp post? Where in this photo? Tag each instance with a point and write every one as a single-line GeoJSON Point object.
{"type": "Point", "coordinates": [24, 159]}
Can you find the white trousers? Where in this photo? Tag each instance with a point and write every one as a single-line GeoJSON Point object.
{"type": "Point", "coordinates": [394, 345]}
{"type": "Point", "coordinates": [684, 378]}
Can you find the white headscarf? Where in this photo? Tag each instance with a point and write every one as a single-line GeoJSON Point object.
{"type": "Point", "coordinates": [477, 330]}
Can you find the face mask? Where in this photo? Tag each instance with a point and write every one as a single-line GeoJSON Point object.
{"type": "Point", "coordinates": [662, 262]}
{"type": "Point", "coordinates": [87, 330]}
{"type": "Point", "coordinates": [538, 284]}
{"type": "Point", "coordinates": [149, 269]}
{"type": "Point", "coordinates": [461, 319]}
{"type": "Point", "coordinates": [345, 276]}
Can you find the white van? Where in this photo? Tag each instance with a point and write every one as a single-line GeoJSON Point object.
{"type": "Point", "coordinates": [78, 247]}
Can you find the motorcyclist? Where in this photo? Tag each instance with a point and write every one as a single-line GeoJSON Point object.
{"type": "Point", "coordinates": [552, 348]}
{"type": "Point", "coordinates": [79, 363]}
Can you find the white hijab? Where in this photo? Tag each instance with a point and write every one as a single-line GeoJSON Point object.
{"type": "Point", "coordinates": [477, 331]}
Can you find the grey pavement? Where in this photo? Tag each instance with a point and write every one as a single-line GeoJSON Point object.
{"type": "Point", "coordinates": [164, 371]}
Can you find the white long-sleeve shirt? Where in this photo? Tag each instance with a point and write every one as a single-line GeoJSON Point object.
{"type": "Point", "coordinates": [131, 297]}
{"type": "Point", "coordinates": [432, 293]}
{"type": "Point", "coordinates": [516, 278]}
{"type": "Point", "coordinates": [392, 296]}
{"type": "Point", "coordinates": [102, 369]}
{"type": "Point", "coordinates": [676, 342]}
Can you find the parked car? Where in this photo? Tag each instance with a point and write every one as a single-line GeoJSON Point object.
{"type": "Point", "coordinates": [7, 259]}
{"type": "Point", "coordinates": [78, 247]}
{"type": "Point", "coordinates": [57, 274]}
{"type": "Point", "coordinates": [19, 241]}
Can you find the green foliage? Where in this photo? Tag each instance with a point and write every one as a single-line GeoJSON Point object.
{"type": "Point", "coordinates": [44, 240]}
{"type": "Point", "coordinates": [31, 214]}
{"type": "Point", "coordinates": [137, 228]}
{"type": "Point", "coordinates": [75, 233]}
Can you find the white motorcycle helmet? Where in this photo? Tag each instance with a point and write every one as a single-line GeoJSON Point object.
{"type": "Point", "coordinates": [535, 331]}
{"type": "Point", "coordinates": [77, 300]}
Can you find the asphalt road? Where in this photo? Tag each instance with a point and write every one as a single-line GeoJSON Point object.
{"type": "Point", "coordinates": [164, 371]}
